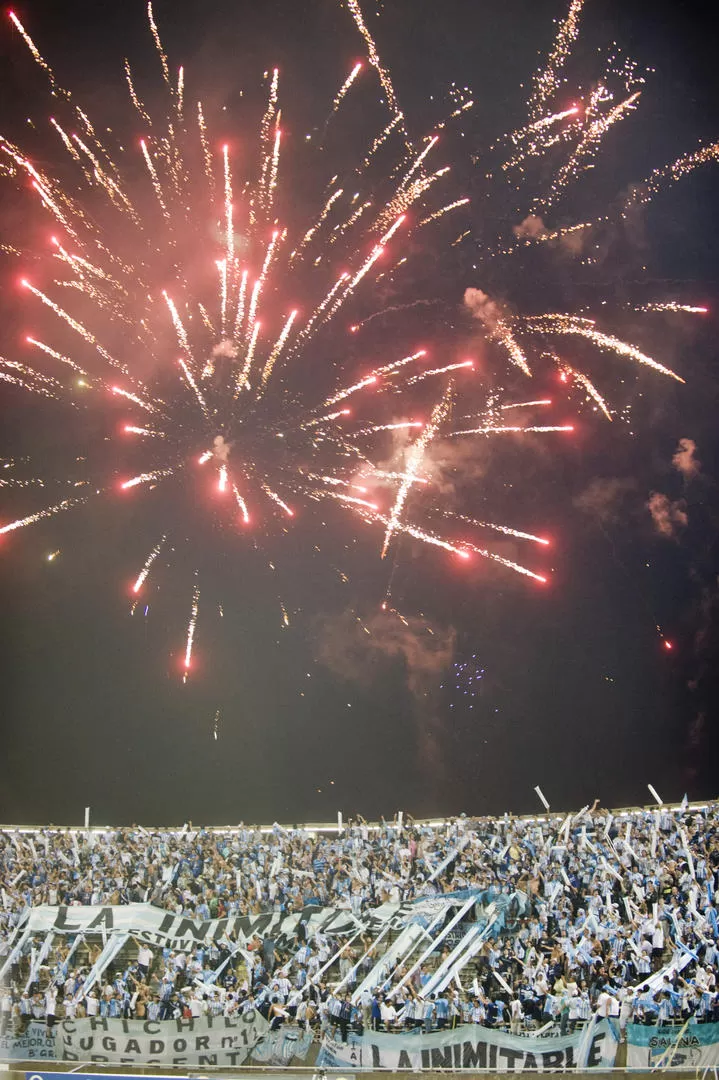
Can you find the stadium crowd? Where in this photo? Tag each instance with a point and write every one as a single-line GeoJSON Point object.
{"type": "Point", "coordinates": [618, 918]}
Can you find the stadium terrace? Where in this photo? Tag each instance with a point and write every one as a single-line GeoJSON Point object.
{"type": "Point", "coordinates": [510, 943]}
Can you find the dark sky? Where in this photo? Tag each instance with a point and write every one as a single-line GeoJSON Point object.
{"type": "Point", "coordinates": [570, 685]}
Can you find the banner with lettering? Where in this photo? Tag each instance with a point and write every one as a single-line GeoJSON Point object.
{"type": "Point", "coordinates": [206, 1041]}
{"type": "Point", "coordinates": [473, 1047]}
{"type": "Point", "coordinates": [35, 1042]}
{"type": "Point", "coordinates": [159, 927]}
{"type": "Point", "coordinates": [689, 1046]}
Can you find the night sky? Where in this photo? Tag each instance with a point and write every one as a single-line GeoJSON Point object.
{"type": "Point", "coordinates": [569, 685]}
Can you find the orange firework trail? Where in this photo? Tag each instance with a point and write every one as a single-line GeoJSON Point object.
{"type": "Point", "coordinates": [170, 240]}
{"type": "Point", "coordinates": [191, 626]}
{"type": "Point", "coordinates": [143, 575]}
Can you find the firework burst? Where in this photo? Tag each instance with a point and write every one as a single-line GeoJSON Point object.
{"type": "Point", "coordinates": [179, 281]}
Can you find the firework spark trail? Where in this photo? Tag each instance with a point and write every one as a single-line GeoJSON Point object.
{"type": "Point", "coordinates": [130, 429]}
{"type": "Point", "coordinates": [178, 324]}
{"type": "Point", "coordinates": [440, 371]}
{"type": "Point", "coordinates": [413, 463]}
{"type": "Point", "coordinates": [374, 58]}
{"type": "Point", "coordinates": [276, 499]}
{"type": "Point", "coordinates": [603, 341]}
{"type": "Point", "coordinates": [507, 563]}
{"type": "Point", "coordinates": [222, 481]}
{"type": "Point", "coordinates": [526, 404]}
{"type": "Point", "coordinates": [240, 316]}
{"type": "Point", "coordinates": [67, 142]}
{"type": "Point", "coordinates": [317, 225]}
{"type": "Point", "coordinates": [143, 575]}
{"type": "Point", "coordinates": [382, 138]}
{"type": "Point", "coordinates": [76, 326]}
{"type": "Point", "coordinates": [192, 624]}
{"type": "Point", "coordinates": [398, 425]}
{"type": "Point", "coordinates": [222, 271]}
{"type": "Point", "coordinates": [501, 429]}
{"type": "Point", "coordinates": [546, 82]}
{"type": "Point", "coordinates": [158, 45]}
{"type": "Point", "coordinates": [352, 500]}
{"type": "Point", "coordinates": [442, 211]}
{"type": "Point", "coordinates": [147, 478]}
{"type": "Point", "coordinates": [265, 127]}
{"type": "Point", "coordinates": [502, 333]}
{"type": "Point", "coordinates": [229, 228]}
{"type": "Point", "coordinates": [345, 87]}
{"type": "Point", "coordinates": [157, 186]}
{"type": "Point", "coordinates": [325, 419]}
{"type": "Point", "coordinates": [242, 505]}
{"type": "Point", "coordinates": [147, 405]}
{"type": "Point", "coordinates": [671, 306]}
{"type": "Point", "coordinates": [321, 308]}
{"type": "Point", "coordinates": [55, 355]}
{"type": "Point", "coordinates": [206, 155]}
{"type": "Point", "coordinates": [243, 377]}
{"type": "Point", "coordinates": [49, 511]}
{"type": "Point", "coordinates": [278, 347]}
{"type": "Point", "coordinates": [180, 91]}
{"type": "Point", "coordinates": [396, 364]}
{"type": "Point", "coordinates": [344, 393]}
{"type": "Point", "coordinates": [133, 96]}
{"type": "Point", "coordinates": [195, 388]}
{"type": "Point", "coordinates": [35, 386]}
{"type": "Point", "coordinates": [37, 56]}
{"type": "Point", "coordinates": [646, 189]}
{"type": "Point", "coordinates": [505, 529]}
{"type": "Point", "coordinates": [383, 475]}
{"type": "Point", "coordinates": [585, 382]}
{"type": "Point", "coordinates": [254, 300]}
{"type": "Point", "coordinates": [587, 145]}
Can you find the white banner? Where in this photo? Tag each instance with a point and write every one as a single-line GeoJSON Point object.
{"type": "Point", "coordinates": [207, 1041]}
{"type": "Point", "coordinates": [689, 1046]}
{"type": "Point", "coordinates": [471, 1047]}
{"type": "Point", "coordinates": [159, 927]}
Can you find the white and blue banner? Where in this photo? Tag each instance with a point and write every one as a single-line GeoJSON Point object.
{"type": "Point", "coordinates": [218, 1041]}
{"type": "Point", "coordinates": [689, 1046]}
{"type": "Point", "coordinates": [472, 1047]}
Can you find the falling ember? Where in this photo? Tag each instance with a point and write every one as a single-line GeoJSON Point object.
{"type": "Point", "coordinates": [242, 505]}
{"type": "Point", "coordinates": [50, 511]}
{"type": "Point", "coordinates": [276, 499]}
{"type": "Point", "coordinates": [440, 371]}
{"type": "Point", "coordinates": [142, 576]}
{"type": "Point", "coordinates": [414, 460]}
{"type": "Point", "coordinates": [500, 430]}
{"type": "Point", "coordinates": [146, 478]}
{"type": "Point", "coordinates": [672, 306]}
{"type": "Point", "coordinates": [346, 85]}
{"type": "Point", "coordinates": [191, 631]}
{"type": "Point", "coordinates": [342, 394]}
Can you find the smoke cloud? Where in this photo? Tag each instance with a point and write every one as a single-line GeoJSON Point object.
{"type": "Point", "coordinates": [669, 517]}
{"type": "Point", "coordinates": [530, 229]}
{"type": "Point", "coordinates": [604, 497]}
{"type": "Point", "coordinates": [351, 647]}
{"type": "Point", "coordinates": [685, 460]}
{"type": "Point", "coordinates": [221, 449]}
{"type": "Point", "coordinates": [224, 350]}
{"type": "Point", "coordinates": [482, 307]}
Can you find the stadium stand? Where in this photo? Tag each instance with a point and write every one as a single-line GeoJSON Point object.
{"type": "Point", "coordinates": [521, 924]}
